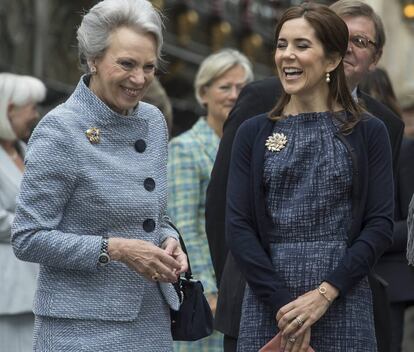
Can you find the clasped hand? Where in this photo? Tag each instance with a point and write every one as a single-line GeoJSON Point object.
{"type": "Point", "coordinates": [163, 264]}
{"type": "Point", "coordinates": [296, 318]}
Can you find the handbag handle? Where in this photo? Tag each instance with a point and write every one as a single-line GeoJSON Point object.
{"type": "Point", "coordinates": [188, 274]}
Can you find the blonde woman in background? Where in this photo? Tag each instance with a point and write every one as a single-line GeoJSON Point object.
{"type": "Point", "coordinates": [218, 83]}
{"type": "Point", "coordinates": [18, 114]}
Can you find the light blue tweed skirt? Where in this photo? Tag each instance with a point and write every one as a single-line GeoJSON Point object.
{"type": "Point", "coordinates": [150, 332]}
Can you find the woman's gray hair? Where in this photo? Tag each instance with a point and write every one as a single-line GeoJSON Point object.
{"type": "Point", "coordinates": [108, 15]}
{"type": "Point", "coordinates": [214, 65]}
{"type": "Point", "coordinates": [18, 90]}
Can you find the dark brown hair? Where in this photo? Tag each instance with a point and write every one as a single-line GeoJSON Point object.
{"type": "Point", "coordinates": [377, 83]}
{"type": "Point", "coordinates": [332, 32]}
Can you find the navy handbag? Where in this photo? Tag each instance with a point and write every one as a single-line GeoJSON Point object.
{"type": "Point", "coordinates": [194, 319]}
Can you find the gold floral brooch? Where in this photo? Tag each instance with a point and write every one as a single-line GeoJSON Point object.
{"type": "Point", "coordinates": [93, 134]}
{"type": "Point", "coordinates": [276, 142]}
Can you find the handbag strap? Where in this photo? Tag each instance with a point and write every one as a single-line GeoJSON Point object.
{"type": "Point", "coordinates": [188, 274]}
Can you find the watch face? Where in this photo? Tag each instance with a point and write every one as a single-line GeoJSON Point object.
{"type": "Point", "coordinates": [103, 259]}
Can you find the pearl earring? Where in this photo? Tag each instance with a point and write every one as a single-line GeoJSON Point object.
{"type": "Point", "coordinates": [327, 77]}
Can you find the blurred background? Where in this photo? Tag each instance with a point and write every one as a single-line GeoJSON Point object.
{"type": "Point", "coordinates": [37, 37]}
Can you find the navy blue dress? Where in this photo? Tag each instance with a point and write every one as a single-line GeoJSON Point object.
{"type": "Point", "coordinates": [308, 187]}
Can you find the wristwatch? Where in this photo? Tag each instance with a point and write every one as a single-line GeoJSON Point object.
{"type": "Point", "coordinates": [104, 257]}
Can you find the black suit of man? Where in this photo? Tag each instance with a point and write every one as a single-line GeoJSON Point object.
{"type": "Point", "coordinates": [393, 265]}
{"type": "Point", "coordinates": [256, 98]}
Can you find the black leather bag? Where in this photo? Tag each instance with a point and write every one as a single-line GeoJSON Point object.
{"type": "Point", "coordinates": [194, 319]}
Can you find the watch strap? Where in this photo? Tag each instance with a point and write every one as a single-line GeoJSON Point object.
{"type": "Point", "coordinates": [104, 257]}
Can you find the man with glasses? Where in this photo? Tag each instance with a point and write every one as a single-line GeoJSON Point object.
{"type": "Point", "coordinates": [367, 39]}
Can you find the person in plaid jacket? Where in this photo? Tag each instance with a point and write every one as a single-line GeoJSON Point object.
{"type": "Point", "coordinates": [218, 83]}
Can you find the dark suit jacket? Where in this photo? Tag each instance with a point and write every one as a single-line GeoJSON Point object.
{"type": "Point", "coordinates": [405, 178]}
{"type": "Point", "coordinates": [394, 124]}
{"type": "Point", "coordinates": [256, 98]}
{"type": "Point", "coordinates": [393, 265]}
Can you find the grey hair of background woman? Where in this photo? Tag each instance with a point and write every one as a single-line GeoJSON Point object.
{"type": "Point", "coordinates": [214, 65]}
{"type": "Point", "coordinates": [108, 15]}
{"type": "Point", "coordinates": [18, 90]}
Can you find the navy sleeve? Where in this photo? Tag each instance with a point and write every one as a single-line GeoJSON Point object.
{"type": "Point", "coordinates": [255, 98]}
{"type": "Point", "coordinates": [241, 233]}
{"type": "Point", "coordinates": [377, 225]}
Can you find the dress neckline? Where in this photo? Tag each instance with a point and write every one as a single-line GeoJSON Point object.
{"type": "Point", "coordinates": [314, 115]}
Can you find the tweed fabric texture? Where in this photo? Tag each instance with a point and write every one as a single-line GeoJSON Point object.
{"type": "Point", "coordinates": [74, 192]}
{"type": "Point", "coordinates": [308, 195]}
{"type": "Point", "coordinates": [190, 161]}
{"type": "Point", "coordinates": [56, 334]}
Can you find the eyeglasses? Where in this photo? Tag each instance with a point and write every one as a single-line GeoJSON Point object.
{"type": "Point", "coordinates": [361, 42]}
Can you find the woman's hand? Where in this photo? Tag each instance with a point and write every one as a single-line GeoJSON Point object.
{"type": "Point", "coordinates": [147, 259]}
{"type": "Point", "coordinates": [296, 317]}
{"type": "Point", "coordinates": [172, 247]}
{"type": "Point", "coordinates": [299, 344]}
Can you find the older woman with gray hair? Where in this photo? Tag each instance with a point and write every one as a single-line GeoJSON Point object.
{"type": "Point", "coordinates": [218, 82]}
{"type": "Point", "coordinates": [19, 96]}
{"type": "Point", "coordinates": [93, 199]}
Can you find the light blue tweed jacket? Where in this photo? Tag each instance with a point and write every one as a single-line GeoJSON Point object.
{"type": "Point", "coordinates": [74, 192]}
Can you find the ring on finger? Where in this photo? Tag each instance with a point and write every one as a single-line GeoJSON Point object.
{"type": "Point", "coordinates": [292, 339]}
{"type": "Point", "coordinates": [299, 321]}
{"type": "Point", "coordinates": [156, 276]}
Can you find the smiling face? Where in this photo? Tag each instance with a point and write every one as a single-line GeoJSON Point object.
{"type": "Point", "coordinates": [220, 95]}
{"type": "Point", "coordinates": [125, 71]}
{"type": "Point", "coordinates": [359, 61]}
{"type": "Point", "coordinates": [301, 61]}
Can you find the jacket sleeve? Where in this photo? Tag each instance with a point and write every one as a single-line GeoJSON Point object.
{"type": "Point", "coordinates": [241, 231]}
{"type": "Point", "coordinates": [48, 182]}
{"type": "Point", "coordinates": [377, 223]}
{"type": "Point", "coordinates": [399, 237]}
{"type": "Point", "coordinates": [167, 230]}
{"type": "Point", "coordinates": [184, 203]}
{"type": "Point", "coordinates": [405, 190]}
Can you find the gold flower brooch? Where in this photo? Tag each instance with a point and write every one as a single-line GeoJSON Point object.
{"type": "Point", "coordinates": [276, 142]}
{"type": "Point", "coordinates": [93, 134]}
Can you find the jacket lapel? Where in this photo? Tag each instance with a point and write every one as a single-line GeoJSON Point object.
{"type": "Point", "coordinates": [206, 137]}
